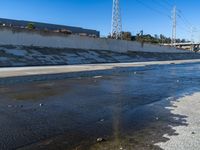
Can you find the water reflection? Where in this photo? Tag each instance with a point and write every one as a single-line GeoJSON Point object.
{"type": "Point", "coordinates": [132, 106]}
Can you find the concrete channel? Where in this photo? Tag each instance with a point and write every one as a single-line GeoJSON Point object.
{"type": "Point", "coordinates": [152, 107]}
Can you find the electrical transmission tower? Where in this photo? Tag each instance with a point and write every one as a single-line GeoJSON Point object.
{"type": "Point", "coordinates": [192, 34]}
{"type": "Point", "coordinates": [174, 15]}
{"type": "Point", "coordinates": [116, 29]}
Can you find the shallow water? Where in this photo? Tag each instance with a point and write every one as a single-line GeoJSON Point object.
{"type": "Point", "coordinates": [127, 110]}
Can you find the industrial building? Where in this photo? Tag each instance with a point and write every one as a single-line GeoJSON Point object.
{"type": "Point", "coordinates": [50, 27]}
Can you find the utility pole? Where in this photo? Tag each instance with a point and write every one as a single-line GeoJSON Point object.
{"type": "Point", "coordinates": [174, 22]}
{"type": "Point", "coordinates": [116, 28]}
{"type": "Point", "coordinates": [192, 38]}
{"type": "Point", "coordinates": [192, 34]}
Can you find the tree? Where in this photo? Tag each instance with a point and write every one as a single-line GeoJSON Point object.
{"type": "Point", "coordinates": [162, 38]}
{"type": "Point", "coordinates": [127, 36]}
{"type": "Point", "coordinates": [156, 36]}
{"type": "Point", "coordinates": [31, 26]}
{"type": "Point", "coordinates": [183, 41]}
{"type": "Point", "coordinates": [148, 38]}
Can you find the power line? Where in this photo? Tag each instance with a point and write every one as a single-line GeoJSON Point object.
{"type": "Point", "coordinates": [167, 7]}
{"type": "Point", "coordinates": [180, 12]}
{"type": "Point", "coordinates": [177, 14]}
{"type": "Point", "coordinates": [184, 22]}
{"type": "Point", "coordinates": [162, 5]}
{"type": "Point", "coordinates": [192, 29]}
{"type": "Point", "coordinates": [168, 3]}
{"type": "Point", "coordinates": [183, 28]}
{"type": "Point", "coordinates": [153, 9]}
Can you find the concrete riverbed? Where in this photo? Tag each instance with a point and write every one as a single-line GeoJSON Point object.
{"type": "Point", "coordinates": [39, 73]}
{"type": "Point", "coordinates": [154, 107]}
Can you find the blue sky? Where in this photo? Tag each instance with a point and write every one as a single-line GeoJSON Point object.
{"type": "Point", "coordinates": [148, 15]}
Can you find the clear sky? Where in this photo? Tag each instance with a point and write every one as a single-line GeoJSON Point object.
{"type": "Point", "coordinates": [152, 16]}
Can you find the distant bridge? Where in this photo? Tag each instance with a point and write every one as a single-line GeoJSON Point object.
{"type": "Point", "coordinates": [188, 46]}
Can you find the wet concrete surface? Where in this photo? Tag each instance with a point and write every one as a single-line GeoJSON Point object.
{"type": "Point", "coordinates": [127, 110]}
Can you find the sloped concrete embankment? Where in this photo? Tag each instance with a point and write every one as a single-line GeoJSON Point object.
{"type": "Point", "coordinates": [15, 56]}
{"type": "Point", "coordinates": [22, 47]}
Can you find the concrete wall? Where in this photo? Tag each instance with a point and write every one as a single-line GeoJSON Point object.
{"type": "Point", "coordinates": [11, 36]}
